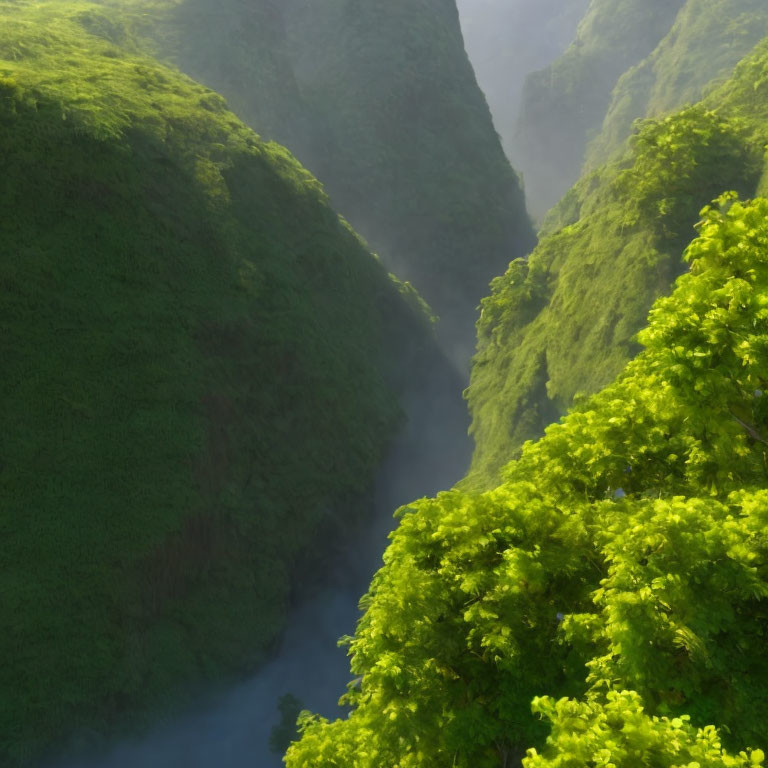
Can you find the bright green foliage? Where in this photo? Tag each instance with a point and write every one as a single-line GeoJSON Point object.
{"type": "Point", "coordinates": [564, 105]}
{"type": "Point", "coordinates": [563, 323]}
{"type": "Point", "coordinates": [745, 96]}
{"type": "Point", "coordinates": [197, 356]}
{"type": "Point", "coordinates": [625, 551]}
{"type": "Point", "coordinates": [706, 42]}
{"type": "Point", "coordinates": [619, 734]}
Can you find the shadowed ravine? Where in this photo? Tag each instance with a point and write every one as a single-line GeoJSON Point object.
{"type": "Point", "coordinates": [232, 730]}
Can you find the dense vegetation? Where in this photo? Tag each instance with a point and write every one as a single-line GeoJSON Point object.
{"type": "Point", "coordinates": [564, 105]}
{"type": "Point", "coordinates": [706, 42]}
{"type": "Point", "coordinates": [562, 324]}
{"type": "Point", "coordinates": [607, 604]}
{"type": "Point", "coordinates": [380, 102]}
{"type": "Point", "coordinates": [198, 355]}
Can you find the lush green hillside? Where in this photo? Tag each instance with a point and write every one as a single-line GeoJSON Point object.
{"type": "Point", "coordinates": [706, 42]}
{"type": "Point", "coordinates": [563, 323]}
{"type": "Point", "coordinates": [612, 592]}
{"type": "Point", "coordinates": [380, 102]}
{"type": "Point", "coordinates": [198, 356]}
{"type": "Point", "coordinates": [237, 47]}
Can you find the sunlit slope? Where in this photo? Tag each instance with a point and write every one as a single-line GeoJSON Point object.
{"type": "Point", "coordinates": [237, 47]}
{"type": "Point", "coordinates": [564, 105]}
{"type": "Point", "coordinates": [200, 363]}
{"type": "Point", "coordinates": [607, 603]}
{"type": "Point", "coordinates": [706, 42]}
{"type": "Point", "coordinates": [380, 102]}
{"type": "Point", "coordinates": [563, 323]}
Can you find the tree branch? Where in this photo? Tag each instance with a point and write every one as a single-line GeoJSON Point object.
{"type": "Point", "coordinates": [751, 431]}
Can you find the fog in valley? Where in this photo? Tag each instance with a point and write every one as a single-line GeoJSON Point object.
{"type": "Point", "coordinates": [506, 41]}
{"type": "Point", "coordinates": [233, 728]}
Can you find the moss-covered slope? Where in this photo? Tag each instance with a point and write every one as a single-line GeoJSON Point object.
{"type": "Point", "coordinates": [564, 105]}
{"type": "Point", "coordinates": [706, 42]}
{"type": "Point", "coordinates": [563, 323]}
{"type": "Point", "coordinates": [381, 104]}
{"type": "Point", "coordinates": [237, 47]}
{"type": "Point", "coordinates": [199, 362]}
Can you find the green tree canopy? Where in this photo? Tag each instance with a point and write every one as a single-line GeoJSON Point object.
{"type": "Point", "coordinates": [619, 572]}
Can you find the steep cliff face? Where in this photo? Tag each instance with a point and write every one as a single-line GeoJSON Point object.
{"type": "Point", "coordinates": [509, 39]}
{"type": "Point", "coordinates": [407, 147]}
{"type": "Point", "coordinates": [563, 323]}
{"type": "Point", "coordinates": [564, 105]}
{"type": "Point", "coordinates": [198, 355]}
{"type": "Point", "coordinates": [706, 42]}
{"type": "Point", "coordinates": [382, 105]}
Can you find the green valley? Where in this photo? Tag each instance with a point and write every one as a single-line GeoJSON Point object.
{"type": "Point", "coordinates": [266, 273]}
{"type": "Point", "coordinates": [616, 240]}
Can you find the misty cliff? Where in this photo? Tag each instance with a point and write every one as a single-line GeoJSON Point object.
{"type": "Point", "coordinates": [203, 366]}
{"type": "Point", "coordinates": [380, 102]}
{"type": "Point", "coordinates": [563, 106]}
{"type": "Point", "coordinates": [562, 324]}
{"type": "Point", "coordinates": [701, 50]}
{"type": "Point", "coordinates": [506, 41]}
{"type": "Point", "coordinates": [629, 61]}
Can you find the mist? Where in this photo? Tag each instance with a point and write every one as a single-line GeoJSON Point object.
{"type": "Point", "coordinates": [506, 41]}
{"type": "Point", "coordinates": [232, 729]}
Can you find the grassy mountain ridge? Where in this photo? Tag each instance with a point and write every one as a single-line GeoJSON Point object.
{"type": "Point", "coordinates": [196, 353]}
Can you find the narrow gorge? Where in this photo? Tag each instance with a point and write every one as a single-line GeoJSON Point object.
{"type": "Point", "coordinates": [435, 326]}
